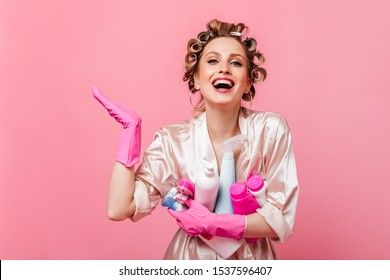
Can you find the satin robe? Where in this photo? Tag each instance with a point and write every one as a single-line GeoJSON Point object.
{"type": "Point", "coordinates": [181, 151]}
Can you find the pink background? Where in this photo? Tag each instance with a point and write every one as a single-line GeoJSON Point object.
{"type": "Point", "coordinates": [328, 65]}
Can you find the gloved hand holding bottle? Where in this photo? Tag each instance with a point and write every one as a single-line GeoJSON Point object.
{"type": "Point", "coordinates": [175, 197]}
{"type": "Point", "coordinates": [198, 220]}
{"type": "Point", "coordinates": [128, 152]}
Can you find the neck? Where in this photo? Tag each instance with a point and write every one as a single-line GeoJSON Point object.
{"type": "Point", "coordinates": [222, 124]}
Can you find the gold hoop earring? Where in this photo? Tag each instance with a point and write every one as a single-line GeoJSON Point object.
{"type": "Point", "coordinates": [196, 108]}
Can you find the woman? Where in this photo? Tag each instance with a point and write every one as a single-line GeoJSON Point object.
{"type": "Point", "coordinates": [222, 66]}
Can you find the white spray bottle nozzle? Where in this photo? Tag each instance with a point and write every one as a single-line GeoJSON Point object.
{"type": "Point", "coordinates": [233, 143]}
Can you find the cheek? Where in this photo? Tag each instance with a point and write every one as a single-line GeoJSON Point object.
{"type": "Point", "coordinates": [204, 75]}
{"type": "Point", "coordinates": [244, 79]}
{"type": "Point", "coordinates": [196, 78]}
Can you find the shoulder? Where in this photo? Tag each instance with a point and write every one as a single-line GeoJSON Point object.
{"type": "Point", "coordinates": [270, 124]}
{"type": "Point", "coordinates": [180, 131]}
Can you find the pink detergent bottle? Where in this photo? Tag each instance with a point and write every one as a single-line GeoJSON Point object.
{"type": "Point", "coordinates": [257, 186]}
{"type": "Point", "coordinates": [243, 202]}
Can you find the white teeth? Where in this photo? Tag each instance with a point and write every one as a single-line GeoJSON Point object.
{"type": "Point", "coordinates": [227, 82]}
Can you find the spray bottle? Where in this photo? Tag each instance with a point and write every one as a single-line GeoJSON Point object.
{"type": "Point", "coordinates": [228, 174]}
{"type": "Point", "coordinates": [226, 246]}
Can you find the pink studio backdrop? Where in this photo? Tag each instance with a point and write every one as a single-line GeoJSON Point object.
{"type": "Point", "coordinates": [328, 71]}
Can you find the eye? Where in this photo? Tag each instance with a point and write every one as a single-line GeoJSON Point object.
{"type": "Point", "coordinates": [236, 63]}
{"type": "Point", "coordinates": [212, 61]}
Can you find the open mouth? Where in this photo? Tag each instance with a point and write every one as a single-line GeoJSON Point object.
{"type": "Point", "coordinates": [223, 84]}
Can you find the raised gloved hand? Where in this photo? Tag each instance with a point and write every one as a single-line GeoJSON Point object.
{"type": "Point", "coordinates": [128, 152]}
{"type": "Point", "coordinates": [199, 220]}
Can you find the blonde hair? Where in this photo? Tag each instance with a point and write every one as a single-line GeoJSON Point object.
{"type": "Point", "coordinates": [216, 29]}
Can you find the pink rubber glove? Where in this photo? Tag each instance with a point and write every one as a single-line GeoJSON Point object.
{"type": "Point", "coordinates": [199, 220]}
{"type": "Point", "coordinates": [128, 152]}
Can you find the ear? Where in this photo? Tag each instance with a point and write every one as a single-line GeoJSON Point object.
{"type": "Point", "coordinates": [248, 85]}
{"type": "Point", "coordinates": [196, 81]}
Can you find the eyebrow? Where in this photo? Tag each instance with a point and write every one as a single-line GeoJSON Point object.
{"type": "Point", "coordinates": [231, 55]}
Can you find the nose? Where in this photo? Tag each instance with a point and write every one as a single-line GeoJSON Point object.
{"type": "Point", "coordinates": [224, 67]}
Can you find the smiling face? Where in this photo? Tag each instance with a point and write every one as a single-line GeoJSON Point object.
{"type": "Point", "coordinates": [223, 73]}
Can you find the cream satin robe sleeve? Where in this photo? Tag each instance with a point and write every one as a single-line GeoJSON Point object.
{"type": "Point", "coordinates": [154, 177]}
{"type": "Point", "coordinates": [279, 169]}
{"type": "Point", "coordinates": [175, 153]}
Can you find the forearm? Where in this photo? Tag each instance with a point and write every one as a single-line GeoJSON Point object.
{"type": "Point", "coordinates": [258, 227]}
{"type": "Point", "coordinates": [120, 204]}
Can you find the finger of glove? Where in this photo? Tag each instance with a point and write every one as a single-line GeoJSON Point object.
{"type": "Point", "coordinates": [194, 204]}
{"type": "Point", "coordinates": [175, 214]}
{"type": "Point", "coordinates": [101, 98]}
{"type": "Point", "coordinates": [188, 202]}
{"type": "Point", "coordinates": [131, 116]}
{"type": "Point", "coordinates": [178, 221]}
{"type": "Point", "coordinates": [120, 112]}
